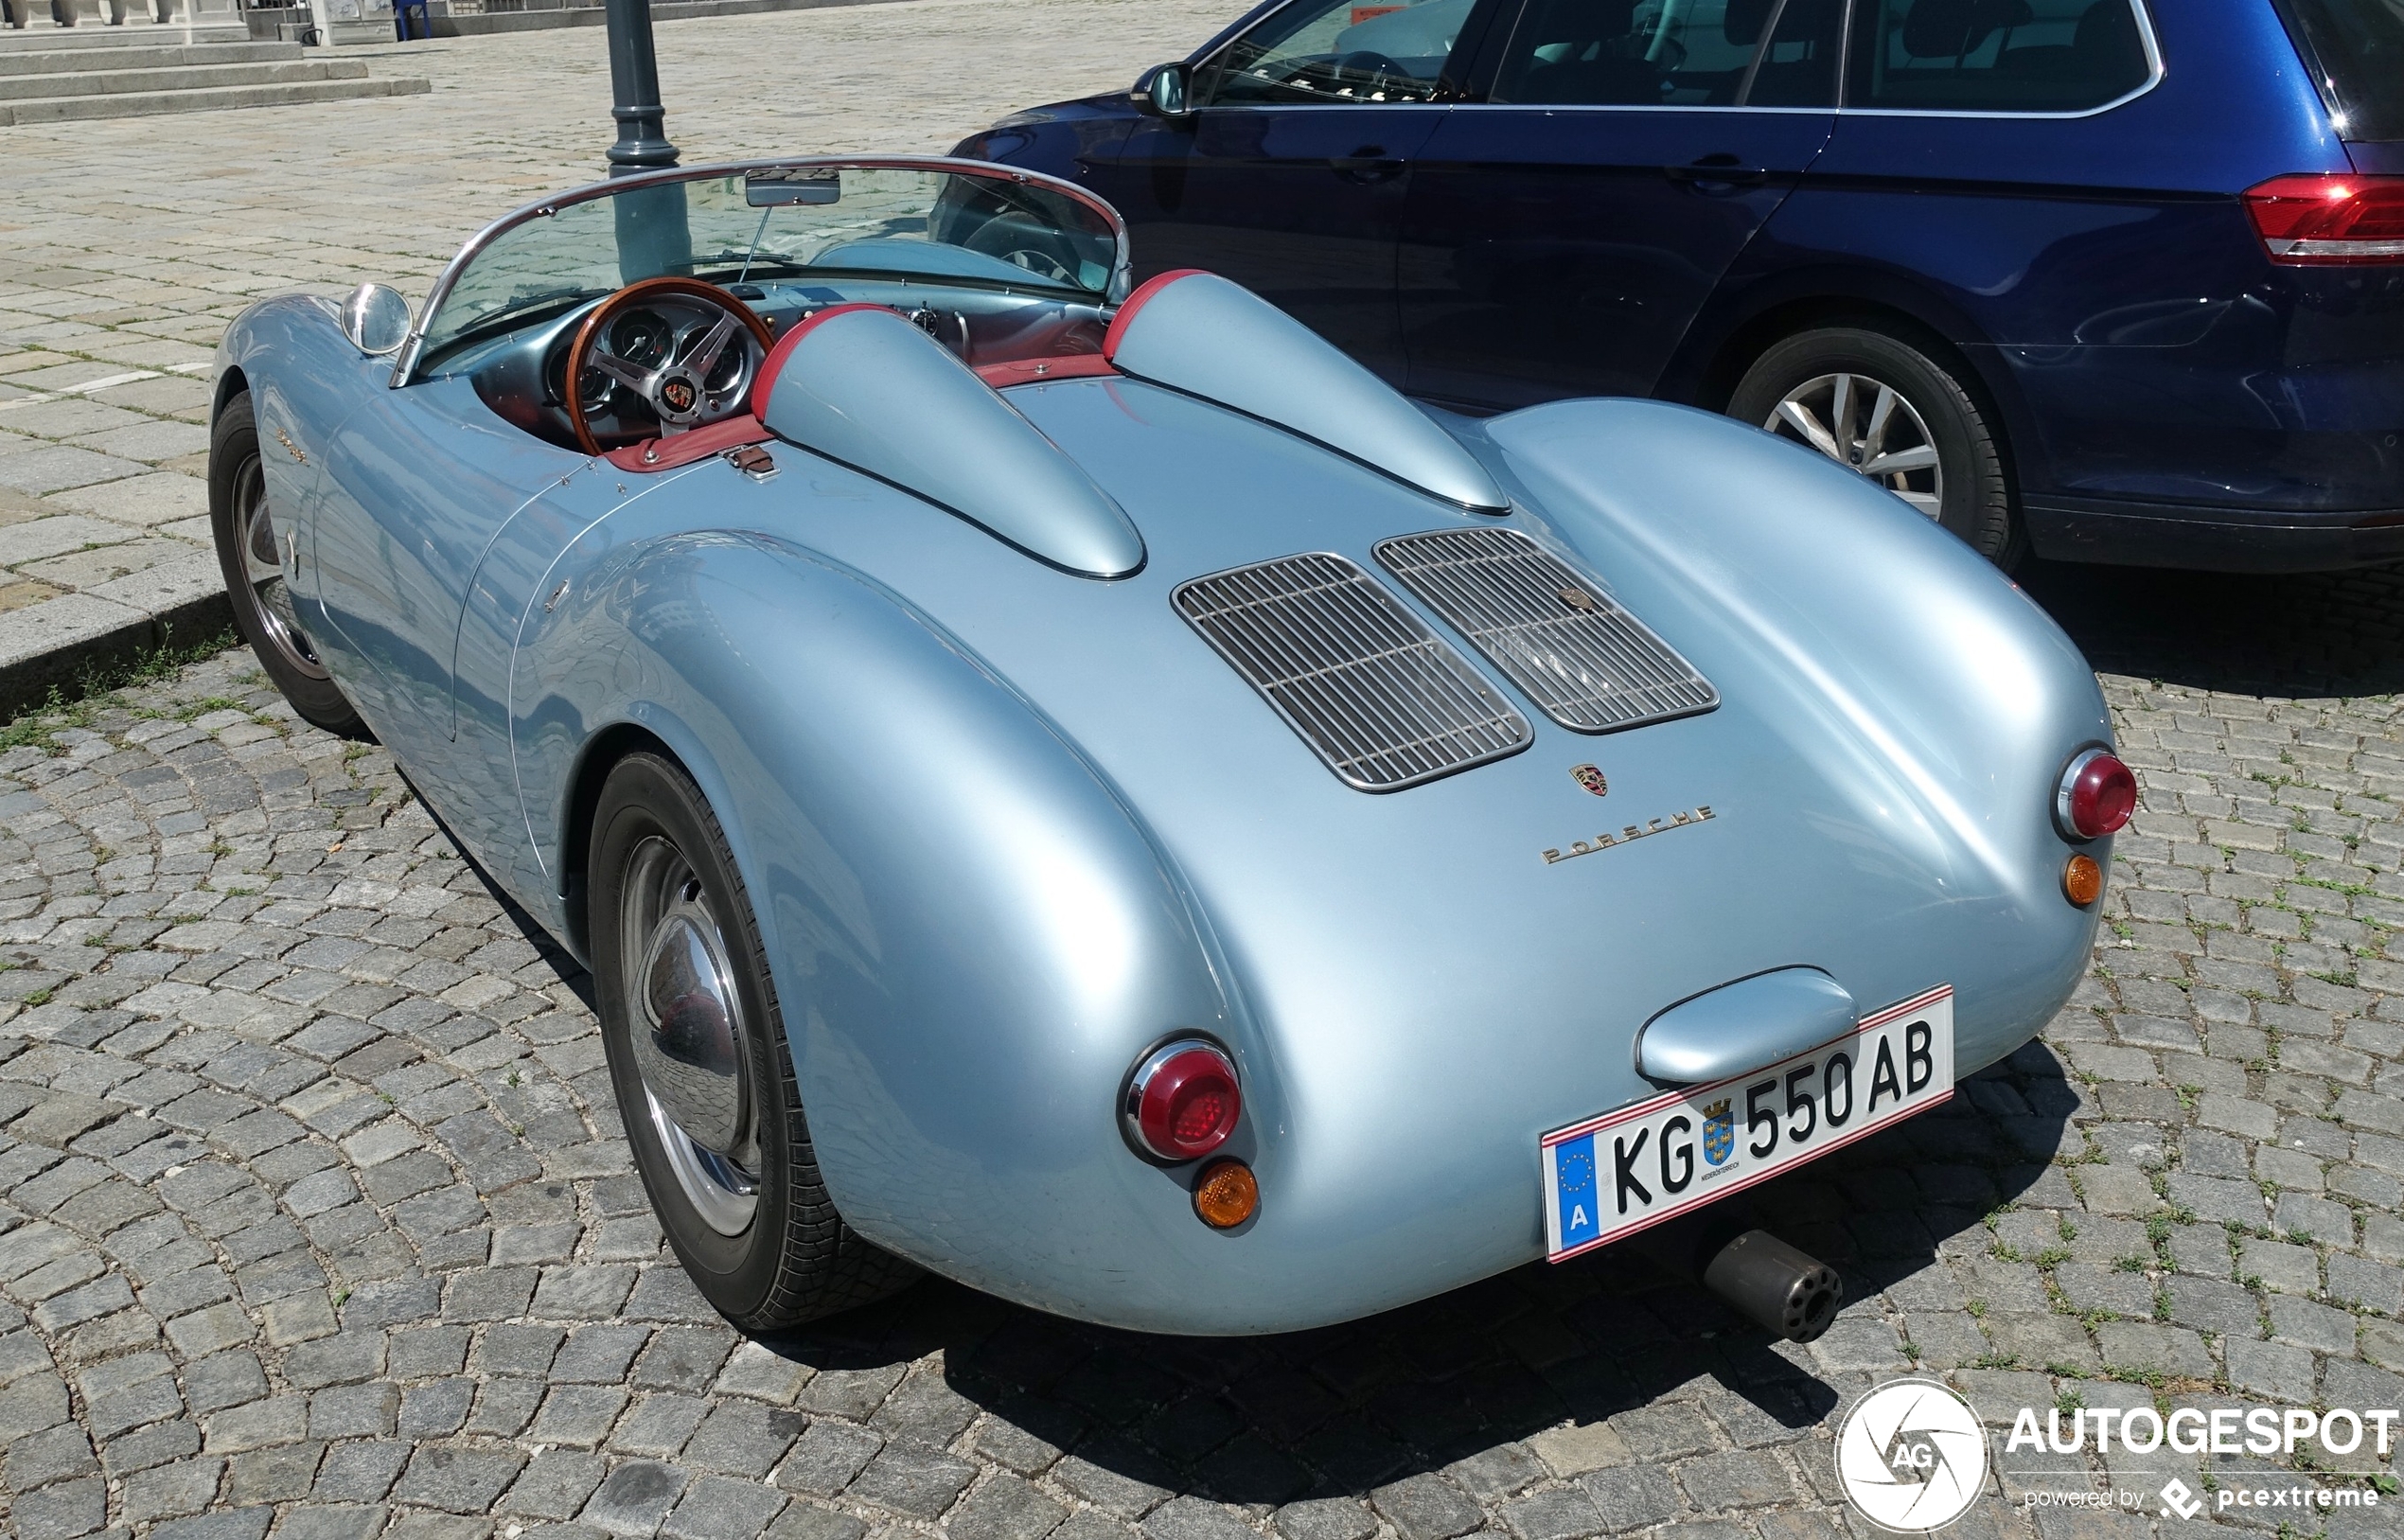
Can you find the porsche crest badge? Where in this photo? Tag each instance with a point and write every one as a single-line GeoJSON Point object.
{"type": "Point", "coordinates": [678, 396]}
{"type": "Point", "coordinates": [1591, 778]}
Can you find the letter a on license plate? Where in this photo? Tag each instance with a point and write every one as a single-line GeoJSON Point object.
{"type": "Point", "coordinates": [1612, 1175]}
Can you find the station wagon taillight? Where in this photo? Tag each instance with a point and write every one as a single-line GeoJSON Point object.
{"type": "Point", "coordinates": [2323, 219]}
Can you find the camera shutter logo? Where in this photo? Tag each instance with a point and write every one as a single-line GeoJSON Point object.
{"type": "Point", "coordinates": [1911, 1456]}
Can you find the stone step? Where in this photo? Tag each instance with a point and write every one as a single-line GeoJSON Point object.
{"type": "Point", "coordinates": [105, 82]}
{"type": "Point", "coordinates": [162, 56]}
{"type": "Point", "coordinates": [214, 98]}
{"type": "Point", "coordinates": [133, 35]}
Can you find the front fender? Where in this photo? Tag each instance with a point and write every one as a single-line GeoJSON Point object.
{"type": "Point", "coordinates": [304, 379]}
{"type": "Point", "coordinates": [971, 935]}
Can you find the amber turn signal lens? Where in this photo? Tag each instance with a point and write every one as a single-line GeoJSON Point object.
{"type": "Point", "coordinates": [1226, 1196]}
{"type": "Point", "coordinates": [2083, 880]}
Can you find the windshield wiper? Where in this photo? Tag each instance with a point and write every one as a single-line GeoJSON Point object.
{"type": "Point", "coordinates": [765, 263]}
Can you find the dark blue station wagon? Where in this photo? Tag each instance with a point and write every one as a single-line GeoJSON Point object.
{"type": "Point", "coordinates": [2115, 280]}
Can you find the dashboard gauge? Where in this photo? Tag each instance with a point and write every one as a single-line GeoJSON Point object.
{"type": "Point", "coordinates": [642, 338]}
{"type": "Point", "coordinates": [592, 390]}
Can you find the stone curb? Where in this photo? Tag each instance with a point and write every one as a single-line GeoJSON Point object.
{"type": "Point", "coordinates": [57, 644]}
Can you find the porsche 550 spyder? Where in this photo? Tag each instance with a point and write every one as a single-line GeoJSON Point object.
{"type": "Point", "coordinates": [1083, 789]}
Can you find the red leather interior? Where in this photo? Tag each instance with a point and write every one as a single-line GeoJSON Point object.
{"type": "Point", "coordinates": [684, 448]}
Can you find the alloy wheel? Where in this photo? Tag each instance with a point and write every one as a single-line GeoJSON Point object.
{"type": "Point", "coordinates": [256, 538]}
{"type": "Point", "coordinates": [690, 1039]}
{"type": "Point", "coordinates": [1866, 426]}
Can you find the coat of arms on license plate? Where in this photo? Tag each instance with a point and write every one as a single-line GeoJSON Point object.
{"type": "Point", "coordinates": [1719, 1133]}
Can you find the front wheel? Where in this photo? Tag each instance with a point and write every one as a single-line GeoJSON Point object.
{"type": "Point", "coordinates": [1880, 407]}
{"type": "Point", "coordinates": [697, 1057]}
{"type": "Point", "coordinates": [253, 555]}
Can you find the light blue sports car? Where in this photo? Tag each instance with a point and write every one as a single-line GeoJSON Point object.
{"type": "Point", "coordinates": [1088, 792]}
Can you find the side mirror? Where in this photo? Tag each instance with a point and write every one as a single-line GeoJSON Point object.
{"type": "Point", "coordinates": [1164, 90]}
{"type": "Point", "coordinates": [376, 319]}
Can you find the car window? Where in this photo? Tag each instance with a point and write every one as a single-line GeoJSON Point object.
{"type": "Point", "coordinates": [1799, 69]}
{"type": "Point", "coordinates": [2359, 49]}
{"type": "Point", "coordinates": [1642, 53]}
{"type": "Point", "coordinates": [1348, 52]}
{"type": "Point", "coordinates": [1996, 56]}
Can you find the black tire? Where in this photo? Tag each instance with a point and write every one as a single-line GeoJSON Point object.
{"type": "Point", "coordinates": [792, 1259]}
{"type": "Point", "coordinates": [238, 513]}
{"type": "Point", "coordinates": [1970, 494]}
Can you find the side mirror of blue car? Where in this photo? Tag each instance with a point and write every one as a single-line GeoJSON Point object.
{"type": "Point", "coordinates": [1164, 90]}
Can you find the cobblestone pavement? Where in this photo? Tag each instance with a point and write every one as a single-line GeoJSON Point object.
{"type": "Point", "coordinates": [126, 245]}
{"type": "Point", "coordinates": [317, 1216]}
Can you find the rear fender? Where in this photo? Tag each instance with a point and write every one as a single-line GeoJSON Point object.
{"type": "Point", "coordinates": [971, 935]}
{"type": "Point", "coordinates": [1867, 639]}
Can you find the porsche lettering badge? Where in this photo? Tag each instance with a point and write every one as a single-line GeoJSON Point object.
{"type": "Point", "coordinates": [1652, 827]}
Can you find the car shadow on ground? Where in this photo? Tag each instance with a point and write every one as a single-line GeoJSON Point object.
{"type": "Point", "coordinates": [2308, 636]}
{"type": "Point", "coordinates": [1607, 1358]}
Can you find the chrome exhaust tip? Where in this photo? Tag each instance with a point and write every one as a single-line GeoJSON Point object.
{"type": "Point", "coordinates": [1786, 1291]}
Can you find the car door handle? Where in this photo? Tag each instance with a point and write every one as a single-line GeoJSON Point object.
{"type": "Point", "coordinates": [1719, 170]}
{"type": "Point", "coordinates": [1370, 162]}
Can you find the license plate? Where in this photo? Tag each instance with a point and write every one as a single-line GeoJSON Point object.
{"type": "Point", "coordinates": [1609, 1177]}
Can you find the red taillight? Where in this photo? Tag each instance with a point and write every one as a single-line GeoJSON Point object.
{"type": "Point", "coordinates": [2310, 220]}
{"type": "Point", "coordinates": [1182, 1101]}
{"type": "Point", "coordinates": [2096, 795]}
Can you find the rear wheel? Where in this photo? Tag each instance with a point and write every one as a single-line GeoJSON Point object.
{"type": "Point", "coordinates": [697, 1057]}
{"type": "Point", "coordinates": [1880, 407]}
{"type": "Point", "coordinates": [253, 554]}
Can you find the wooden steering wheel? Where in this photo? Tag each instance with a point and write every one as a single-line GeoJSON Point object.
{"type": "Point", "coordinates": [687, 351]}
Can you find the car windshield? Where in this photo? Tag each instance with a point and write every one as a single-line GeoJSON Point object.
{"type": "Point", "coordinates": [764, 223]}
{"type": "Point", "coordinates": [2359, 46]}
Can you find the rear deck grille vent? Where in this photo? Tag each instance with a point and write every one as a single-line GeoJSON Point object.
{"type": "Point", "coordinates": [1382, 700]}
{"type": "Point", "coordinates": [1587, 663]}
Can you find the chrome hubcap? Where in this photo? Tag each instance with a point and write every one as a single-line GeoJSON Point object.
{"type": "Point", "coordinates": [1866, 425]}
{"type": "Point", "coordinates": [688, 1036]}
{"type": "Point", "coordinates": [263, 564]}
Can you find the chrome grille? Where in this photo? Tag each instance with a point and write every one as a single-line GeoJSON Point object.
{"type": "Point", "coordinates": [1587, 663]}
{"type": "Point", "coordinates": [1384, 701]}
